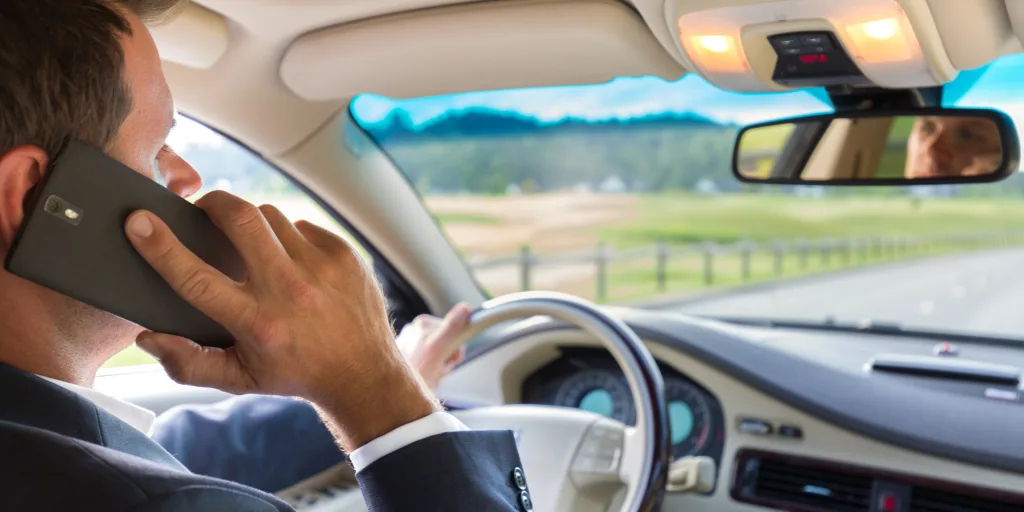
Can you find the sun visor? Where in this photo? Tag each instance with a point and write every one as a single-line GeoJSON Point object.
{"type": "Point", "coordinates": [1015, 10]}
{"type": "Point", "coordinates": [974, 36]}
{"type": "Point", "coordinates": [482, 46]}
{"type": "Point", "coordinates": [197, 37]}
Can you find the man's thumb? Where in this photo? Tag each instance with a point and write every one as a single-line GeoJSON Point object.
{"type": "Point", "coordinates": [454, 322]}
{"type": "Point", "coordinates": [189, 363]}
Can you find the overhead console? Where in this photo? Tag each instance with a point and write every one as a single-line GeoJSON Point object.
{"type": "Point", "coordinates": [813, 58]}
{"type": "Point", "coordinates": [748, 46]}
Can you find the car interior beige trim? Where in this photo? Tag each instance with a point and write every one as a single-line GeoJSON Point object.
{"type": "Point", "coordinates": [973, 36]}
{"type": "Point", "coordinates": [849, 149]}
{"type": "Point", "coordinates": [481, 46]}
{"type": "Point", "coordinates": [196, 38]}
{"type": "Point", "coordinates": [355, 178]}
{"type": "Point", "coordinates": [1015, 13]}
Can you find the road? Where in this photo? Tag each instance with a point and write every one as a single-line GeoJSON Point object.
{"type": "Point", "coordinates": [977, 292]}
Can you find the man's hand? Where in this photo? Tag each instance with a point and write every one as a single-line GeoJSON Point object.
{"type": "Point", "coordinates": [427, 342]}
{"type": "Point", "coordinates": [309, 320]}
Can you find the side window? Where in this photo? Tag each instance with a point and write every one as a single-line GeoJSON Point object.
{"type": "Point", "coordinates": [228, 166]}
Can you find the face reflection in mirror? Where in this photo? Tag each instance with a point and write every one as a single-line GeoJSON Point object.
{"type": "Point", "coordinates": [944, 147]}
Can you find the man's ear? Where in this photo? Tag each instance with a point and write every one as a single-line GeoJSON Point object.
{"type": "Point", "coordinates": [20, 169]}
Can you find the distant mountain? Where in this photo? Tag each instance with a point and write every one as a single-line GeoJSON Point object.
{"type": "Point", "coordinates": [476, 122]}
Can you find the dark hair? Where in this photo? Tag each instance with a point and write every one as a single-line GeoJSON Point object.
{"type": "Point", "coordinates": [63, 69]}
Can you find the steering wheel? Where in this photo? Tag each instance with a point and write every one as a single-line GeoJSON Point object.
{"type": "Point", "coordinates": [574, 459]}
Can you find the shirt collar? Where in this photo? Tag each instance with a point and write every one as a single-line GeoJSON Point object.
{"type": "Point", "coordinates": [138, 418]}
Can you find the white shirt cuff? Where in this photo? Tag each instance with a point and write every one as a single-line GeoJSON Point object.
{"type": "Point", "coordinates": [432, 425]}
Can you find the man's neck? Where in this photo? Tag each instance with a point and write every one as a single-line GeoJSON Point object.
{"type": "Point", "coordinates": [54, 336]}
{"type": "Point", "coordinates": [45, 354]}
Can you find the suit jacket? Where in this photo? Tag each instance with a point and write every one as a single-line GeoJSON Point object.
{"type": "Point", "coordinates": [60, 452]}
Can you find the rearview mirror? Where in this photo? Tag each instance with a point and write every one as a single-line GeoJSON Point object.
{"type": "Point", "coordinates": [923, 146]}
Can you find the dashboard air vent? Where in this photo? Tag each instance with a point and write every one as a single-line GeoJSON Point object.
{"type": "Point", "coordinates": [930, 500]}
{"type": "Point", "coordinates": [786, 483]}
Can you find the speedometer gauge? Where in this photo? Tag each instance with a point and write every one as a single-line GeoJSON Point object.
{"type": "Point", "coordinates": [598, 391]}
{"type": "Point", "coordinates": [689, 417]}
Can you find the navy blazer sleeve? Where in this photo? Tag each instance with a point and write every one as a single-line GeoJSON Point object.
{"type": "Point", "coordinates": [457, 472]}
{"type": "Point", "coordinates": [271, 443]}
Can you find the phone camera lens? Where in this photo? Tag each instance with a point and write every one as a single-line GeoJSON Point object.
{"type": "Point", "coordinates": [52, 205]}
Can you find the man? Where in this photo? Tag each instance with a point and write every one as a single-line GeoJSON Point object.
{"type": "Point", "coordinates": [946, 147]}
{"type": "Point", "coordinates": [309, 321]}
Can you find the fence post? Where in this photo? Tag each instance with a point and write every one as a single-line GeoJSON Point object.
{"type": "Point", "coordinates": [661, 265]}
{"type": "Point", "coordinates": [777, 250]}
{"type": "Point", "coordinates": [825, 248]}
{"type": "Point", "coordinates": [602, 271]}
{"type": "Point", "coordinates": [847, 251]}
{"type": "Point", "coordinates": [709, 263]}
{"type": "Point", "coordinates": [525, 262]}
{"type": "Point", "coordinates": [745, 259]}
{"type": "Point", "coordinates": [802, 249]}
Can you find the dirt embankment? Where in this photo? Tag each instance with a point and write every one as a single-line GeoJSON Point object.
{"type": "Point", "coordinates": [550, 223]}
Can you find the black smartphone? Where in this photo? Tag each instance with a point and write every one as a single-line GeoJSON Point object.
{"type": "Point", "coordinates": [72, 241]}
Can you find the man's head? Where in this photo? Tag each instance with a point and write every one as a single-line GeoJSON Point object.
{"type": "Point", "coordinates": [87, 70]}
{"type": "Point", "coordinates": [946, 146]}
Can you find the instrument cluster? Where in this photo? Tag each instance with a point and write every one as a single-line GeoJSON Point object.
{"type": "Point", "coordinates": [590, 379]}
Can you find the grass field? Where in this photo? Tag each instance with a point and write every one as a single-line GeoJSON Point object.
{"type": "Point", "coordinates": [556, 223]}
{"type": "Point", "coordinates": [688, 219]}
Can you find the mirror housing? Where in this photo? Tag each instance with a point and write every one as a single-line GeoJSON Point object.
{"type": "Point", "coordinates": [920, 146]}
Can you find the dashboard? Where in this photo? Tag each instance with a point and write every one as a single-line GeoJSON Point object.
{"type": "Point", "coordinates": [929, 434]}
{"type": "Point", "coordinates": [590, 379]}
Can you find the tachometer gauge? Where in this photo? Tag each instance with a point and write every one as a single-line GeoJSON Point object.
{"type": "Point", "coordinates": [689, 417]}
{"type": "Point", "coordinates": [598, 391]}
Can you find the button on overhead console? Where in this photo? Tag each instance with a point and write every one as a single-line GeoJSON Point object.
{"type": "Point", "coordinates": [814, 40]}
{"type": "Point", "coordinates": [784, 42]}
{"type": "Point", "coordinates": [823, 47]}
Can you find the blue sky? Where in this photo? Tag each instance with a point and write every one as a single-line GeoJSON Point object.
{"type": "Point", "coordinates": [999, 85]}
{"type": "Point", "coordinates": [619, 99]}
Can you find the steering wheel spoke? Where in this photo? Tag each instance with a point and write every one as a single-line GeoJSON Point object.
{"type": "Point", "coordinates": [598, 458]}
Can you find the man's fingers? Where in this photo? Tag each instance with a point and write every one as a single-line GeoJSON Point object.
{"type": "Point", "coordinates": [456, 320]}
{"type": "Point", "coordinates": [194, 365]}
{"type": "Point", "coordinates": [453, 323]}
{"type": "Point", "coordinates": [457, 357]}
{"type": "Point", "coordinates": [320, 237]}
{"type": "Point", "coordinates": [286, 232]}
{"type": "Point", "coordinates": [247, 228]}
{"type": "Point", "coordinates": [199, 284]}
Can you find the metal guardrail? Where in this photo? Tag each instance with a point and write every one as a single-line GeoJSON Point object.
{"type": "Point", "coordinates": [842, 251]}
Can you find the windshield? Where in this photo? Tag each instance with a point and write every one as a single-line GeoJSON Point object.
{"type": "Point", "coordinates": [623, 193]}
